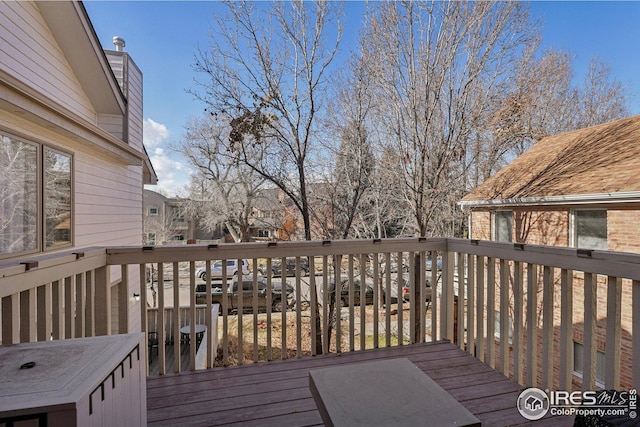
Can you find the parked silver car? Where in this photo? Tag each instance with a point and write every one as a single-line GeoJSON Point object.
{"type": "Point", "coordinates": [216, 269]}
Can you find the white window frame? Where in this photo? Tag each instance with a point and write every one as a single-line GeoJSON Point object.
{"type": "Point", "coordinates": [151, 213]}
{"type": "Point", "coordinates": [41, 196]}
{"type": "Point", "coordinates": [573, 233]}
{"type": "Point", "coordinates": [494, 222]}
{"type": "Point", "coordinates": [600, 357]}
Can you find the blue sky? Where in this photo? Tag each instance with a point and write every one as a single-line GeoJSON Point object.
{"type": "Point", "coordinates": [162, 37]}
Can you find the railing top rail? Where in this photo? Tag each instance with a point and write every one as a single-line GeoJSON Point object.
{"type": "Point", "coordinates": [181, 253]}
{"type": "Point", "coordinates": [45, 268]}
{"type": "Point", "coordinates": [617, 264]}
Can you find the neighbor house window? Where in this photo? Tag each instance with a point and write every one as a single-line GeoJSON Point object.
{"type": "Point", "coordinates": [150, 238]}
{"type": "Point", "coordinates": [35, 198]}
{"type": "Point", "coordinates": [502, 226]}
{"type": "Point", "coordinates": [153, 211]}
{"type": "Point", "coordinates": [590, 228]}
{"type": "Point", "coordinates": [578, 363]}
{"type": "Point", "coordinates": [497, 330]}
{"type": "Point", "coordinates": [264, 233]}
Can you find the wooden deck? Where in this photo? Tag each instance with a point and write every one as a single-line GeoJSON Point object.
{"type": "Point", "coordinates": [277, 393]}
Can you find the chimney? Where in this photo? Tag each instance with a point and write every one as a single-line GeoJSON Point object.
{"type": "Point", "coordinates": [119, 43]}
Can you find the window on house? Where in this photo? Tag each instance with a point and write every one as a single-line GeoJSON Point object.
{"type": "Point", "coordinates": [590, 228]}
{"type": "Point", "coordinates": [153, 211]}
{"type": "Point", "coordinates": [503, 226]}
{"type": "Point", "coordinates": [497, 329]}
{"type": "Point", "coordinates": [57, 198]}
{"type": "Point", "coordinates": [578, 363]}
{"type": "Point", "coordinates": [150, 238]}
{"type": "Point", "coordinates": [264, 233]}
{"type": "Point", "coordinates": [35, 198]}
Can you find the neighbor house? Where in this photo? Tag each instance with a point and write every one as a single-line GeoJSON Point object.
{"type": "Point", "coordinates": [166, 222]}
{"type": "Point", "coordinates": [71, 153]}
{"type": "Point", "coordinates": [580, 189]}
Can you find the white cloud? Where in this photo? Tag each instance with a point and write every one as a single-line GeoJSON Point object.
{"type": "Point", "coordinates": [155, 133]}
{"type": "Point", "coordinates": [172, 171]}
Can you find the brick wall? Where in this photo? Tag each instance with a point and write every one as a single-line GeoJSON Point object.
{"type": "Point", "coordinates": [551, 227]}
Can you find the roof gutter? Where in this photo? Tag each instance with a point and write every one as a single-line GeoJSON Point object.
{"type": "Point", "coordinates": [571, 199]}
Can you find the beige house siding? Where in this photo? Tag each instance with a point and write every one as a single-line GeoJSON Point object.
{"type": "Point", "coordinates": [30, 54]}
{"type": "Point", "coordinates": [107, 175]}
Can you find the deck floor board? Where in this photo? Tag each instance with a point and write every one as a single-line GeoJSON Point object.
{"type": "Point", "coordinates": [277, 393]}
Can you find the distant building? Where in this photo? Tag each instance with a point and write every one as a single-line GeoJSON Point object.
{"type": "Point", "coordinates": [165, 222]}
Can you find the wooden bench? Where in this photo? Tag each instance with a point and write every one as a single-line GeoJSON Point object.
{"type": "Point", "coordinates": [391, 392]}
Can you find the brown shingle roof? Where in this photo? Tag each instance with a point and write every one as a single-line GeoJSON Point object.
{"type": "Point", "coordinates": [595, 160]}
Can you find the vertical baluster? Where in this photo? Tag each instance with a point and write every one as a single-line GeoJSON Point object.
{"type": "Point", "coordinates": [283, 291]}
{"type": "Point", "coordinates": [28, 315]}
{"type": "Point", "coordinates": [69, 303]}
{"type": "Point", "coordinates": [313, 300]}
{"type": "Point", "coordinates": [123, 300]}
{"type": "Point", "coordinates": [352, 340]}
{"type": "Point", "coordinates": [283, 313]}
{"type": "Point", "coordinates": [566, 329]}
{"type": "Point", "coordinates": [325, 303]}
{"type": "Point", "coordinates": [102, 301]}
{"type": "Point", "coordinates": [504, 316]}
{"type": "Point", "coordinates": [90, 305]}
{"type": "Point", "coordinates": [387, 302]}
{"type": "Point", "coordinates": [144, 320]}
{"type": "Point", "coordinates": [547, 327]}
{"type": "Point", "coordinates": [399, 286]}
{"type": "Point", "coordinates": [434, 295]}
{"type": "Point", "coordinates": [614, 331]}
{"type": "Point", "coordinates": [363, 319]}
{"type": "Point", "coordinates": [10, 312]}
{"type": "Point", "coordinates": [491, 312]}
{"type": "Point", "coordinates": [193, 340]}
{"type": "Point", "coordinates": [160, 325]}
{"type": "Point", "coordinates": [480, 307]}
{"type": "Point", "coordinates": [43, 314]}
{"type": "Point", "coordinates": [532, 325]}
{"type": "Point", "coordinates": [363, 299]}
{"type": "Point", "coordinates": [177, 337]}
{"type": "Point", "coordinates": [423, 296]}
{"type": "Point", "coordinates": [255, 309]}
{"type": "Point", "coordinates": [225, 310]}
{"type": "Point", "coordinates": [460, 301]}
{"type": "Point", "coordinates": [80, 303]}
{"type": "Point", "coordinates": [337, 261]}
{"type": "Point", "coordinates": [518, 302]}
{"type": "Point", "coordinates": [471, 301]}
{"type": "Point", "coordinates": [209, 320]}
{"type": "Point", "coordinates": [590, 334]}
{"type": "Point", "coordinates": [413, 299]}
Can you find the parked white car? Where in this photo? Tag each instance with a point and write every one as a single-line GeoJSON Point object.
{"type": "Point", "coordinates": [216, 269]}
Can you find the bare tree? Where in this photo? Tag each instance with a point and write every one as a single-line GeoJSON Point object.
{"type": "Point", "coordinates": [223, 191]}
{"type": "Point", "coordinates": [430, 61]}
{"type": "Point", "coordinates": [266, 73]}
{"type": "Point", "coordinates": [541, 100]}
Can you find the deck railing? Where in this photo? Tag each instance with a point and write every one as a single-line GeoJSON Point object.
{"type": "Point", "coordinates": [551, 296]}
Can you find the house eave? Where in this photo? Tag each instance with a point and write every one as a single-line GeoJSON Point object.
{"type": "Point", "coordinates": [571, 199]}
{"type": "Point", "coordinates": [68, 20]}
